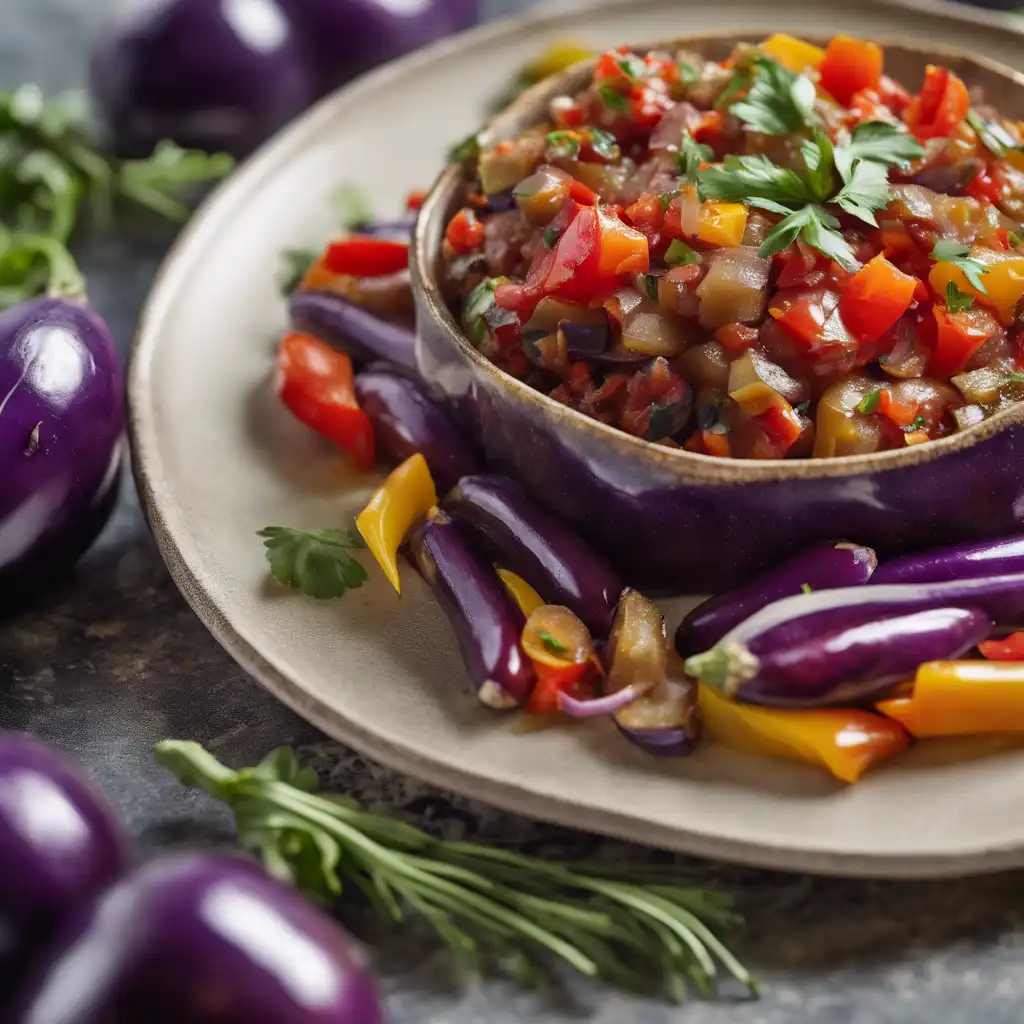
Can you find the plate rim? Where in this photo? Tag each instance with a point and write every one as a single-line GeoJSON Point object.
{"type": "Point", "coordinates": [506, 795]}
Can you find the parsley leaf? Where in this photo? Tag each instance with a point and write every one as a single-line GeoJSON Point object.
{"type": "Point", "coordinates": [632, 67]}
{"type": "Point", "coordinates": [957, 301]}
{"type": "Point", "coordinates": [819, 158]}
{"type": "Point", "coordinates": [866, 190]}
{"type": "Point", "coordinates": [650, 282]}
{"type": "Point", "coordinates": [747, 178]}
{"type": "Point", "coordinates": [869, 403]}
{"type": "Point", "coordinates": [464, 150]}
{"type": "Point", "coordinates": [946, 251]}
{"type": "Point", "coordinates": [550, 642]}
{"type": "Point", "coordinates": [688, 74]}
{"type": "Point", "coordinates": [879, 142]}
{"type": "Point", "coordinates": [319, 563]}
{"type": "Point", "coordinates": [565, 144]}
{"type": "Point", "coordinates": [611, 99]}
{"type": "Point", "coordinates": [917, 423]}
{"type": "Point", "coordinates": [550, 236]}
{"type": "Point", "coordinates": [994, 137]}
{"type": "Point", "coordinates": [679, 254]}
{"type": "Point", "coordinates": [817, 227]}
{"type": "Point", "coordinates": [295, 263]}
{"type": "Point", "coordinates": [691, 155]}
{"type": "Point", "coordinates": [475, 308]}
{"type": "Point", "coordinates": [603, 143]}
{"type": "Point", "coordinates": [779, 101]}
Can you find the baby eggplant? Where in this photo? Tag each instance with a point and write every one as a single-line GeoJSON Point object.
{"type": "Point", "coordinates": [523, 537]}
{"type": "Point", "coordinates": [487, 622]}
{"type": "Point", "coordinates": [999, 557]}
{"type": "Point", "coordinates": [406, 421]}
{"type": "Point", "coordinates": [822, 567]}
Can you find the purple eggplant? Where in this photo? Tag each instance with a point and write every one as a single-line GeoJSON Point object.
{"type": "Point", "coordinates": [1001, 557]}
{"type": "Point", "coordinates": [487, 622]}
{"type": "Point", "coordinates": [858, 660]}
{"type": "Point", "coordinates": [584, 341]}
{"type": "Point", "coordinates": [666, 723]}
{"type": "Point", "coordinates": [60, 845]}
{"type": "Point", "coordinates": [199, 939]}
{"type": "Point", "coordinates": [822, 567]}
{"type": "Point", "coordinates": [398, 230]}
{"type": "Point", "coordinates": [61, 434]}
{"type": "Point", "coordinates": [524, 538]}
{"type": "Point", "coordinates": [364, 335]}
{"type": "Point", "coordinates": [406, 421]}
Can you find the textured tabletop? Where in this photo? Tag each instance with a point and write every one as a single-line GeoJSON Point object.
{"type": "Point", "coordinates": [111, 662]}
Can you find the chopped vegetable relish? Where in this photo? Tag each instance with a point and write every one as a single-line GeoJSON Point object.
{"type": "Point", "coordinates": [785, 254]}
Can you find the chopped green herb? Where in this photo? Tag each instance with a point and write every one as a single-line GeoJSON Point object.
{"type": "Point", "coordinates": [550, 236]}
{"type": "Point", "coordinates": [946, 251]}
{"type": "Point", "coordinates": [957, 301]}
{"type": "Point", "coordinates": [603, 143]}
{"type": "Point", "coordinates": [295, 264]}
{"type": "Point", "coordinates": [878, 142]}
{"type": "Point", "coordinates": [1016, 378]}
{"type": "Point", "coordinates": [816, 226]}
{"type": "Point", "coordinates": [778, 102]}
{"type": "Point", "coordinates": [475, 308]}
{"type": "Point", "coordinates": [551, 643]}
{"type": "Point", "coordinates": [741, 179]}
{"type": "Point", "coordinates": [318, 563]}
{"type": "Point", "coordinates": [692, 156]}
{"type": "Point", "coordinates": [802, 406]}
{"type": "Point", "coordinates": [994, 137]}
{"type": "Point", "coordinates": [651, 285]}
{"type": "Point", "coordinates": [565, 144]}
{"type": "Point", "coordinates": [917, 423]}
{"type": "Point", "coordinates": [737, 86]}
{"type": "Point", "coordinates": [464, 150]}
{"type": "Point", "coordinates": [805, 588]}
{"type": "Point", "coordinates": [611, 99]}
{"type": "Point", "coordinates": [352, 207]}
{"type": "Point", "coordinates": [632, 67]}
{"type": "Point", "coordinates": [688, 74]}
{"type": "Point", "coordinates": [679, 254]}
{"type": "Point", "coordinates": [667, 197]}
{"type": "Point", "coordinates": [819, 159]}
{"type": "Point", "coordinates": [869, 403]}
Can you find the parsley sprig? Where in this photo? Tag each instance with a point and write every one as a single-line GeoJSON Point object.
{"type": "Point", "coordinates": [957, 301]}
{"type": "Point", "coordinates": [319, 564]}
{"type": "Point", "coordinates": [691, 157]}
{"type": "Point", "coordinates": [948, 251]}
{"type": "Point", "coordinates": [777, 102]}
{"type": "Point", "coordinates": [625, 923]}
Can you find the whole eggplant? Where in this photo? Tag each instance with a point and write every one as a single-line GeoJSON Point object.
{"type": "Point", "coordinates": [224, 74]}
{"type": "Point", "coordinates": [487, 622]}
{"type": "Point", "coordinates": [364, 335]}
{"type": "Point", "coordinates": [1000, 557]}
{"type": "Point", "coordinates": [406, 421]}
{"type": "Point", "coordinates": [60, 845]}
{"type": "Point", "coordinates": [532, 543]}
{"type": "Point", "coordinates": [61, 429]}
{"type": "Point", "coordinates": [199, 939]}
{"type": "Point", "coordinates": [822, 567]}
{"type": "Point", "coordinates": [858, 660]}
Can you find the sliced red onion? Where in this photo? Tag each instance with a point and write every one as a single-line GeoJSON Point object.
{"type": "Point", "coordinates": [606, 705]}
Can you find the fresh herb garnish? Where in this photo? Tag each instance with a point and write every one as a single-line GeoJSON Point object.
{"type": "Point", "coordinates": [650, 282]}
{"type": "Point", "coordinates": [957, 301]}
{"type": "Point", "coordinates": [878, 142]}
{"type": "Point", "coordinates": [688, 74]}
{"type": "Point", "coordinates": [692, 156]}
{"type": "Point", "coordinates": [816, 226]}
{"type": "Point", "coordinates": [318, 563]}
{"type": "Point", "coordinates": [603, 143]}
{"type": "Point", "coordinates": [947, 251]}
{"type": "Point", "coordinates": [295, 264]}
{"type": "Point", "coordinates": [778, 101]}
{"type": "Point", "coordinates": [550, 236]}
{"type": "Point", "coordinates": [630, 924]}
{"type": "Point", "coordinates": [551, 643]}
{"type": "Point", "coordinates": [1016, 378]}
{"type": "Point", "coordinates": [751, 178]}
{"type": "Point", "coordinates": [632, 67]}
{"type": "Point", "coordinates": [478, 302]}
{"type": "Point", "coordinates": [869, 403]}
{"type": "Point", "coordinates": [666, 199]}
{"type": "Point", "coordinates": [464, 150]}
{"type": "Point", "coordinates": [352, 207]}
{"type": "Point", "coordinates": [917, 423]}
{"type": "Point", "coordinates": [994, 137]}
{"type": "Point", "coordinates": [612, 99]}
{"type": "Point", "coordinates": [565, 144]}
{"type": "Point", "coordinates": [679, 254]}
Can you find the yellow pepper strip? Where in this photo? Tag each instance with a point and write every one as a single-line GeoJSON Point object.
{"type": "Point", "coordinates": [1004, 281]}
{"type": "Point", "coordinates": [846, 741]}
{"type": "Point", "coordinates": [793, 53]}
{"type": "Point", "coordinates": [962, 698]}
{"type": "Point", "coordinates": [402, 500]}
{"type": "Point", "coordinates": [522, 593]}
{"type": "Point", "coordinates": [721, 223]}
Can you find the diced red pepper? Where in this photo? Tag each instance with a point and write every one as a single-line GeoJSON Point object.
{"type": "Point", "coordinates": [1010, 648]}
{"type": "Point", "coordinates": [465, 232]}
{"type": "Point", "coordinates": [900, 413]}
{"type": "Point", "coordinates": [783, 422]}
{"type": "Point", "coordinates": [940, 106]}
{"type": "Point", "coordinates": [867, 105]}
{"type": "Point", "coordinates": [986, 187]}
{"type": "Point", "coordinates": [315, 382]}
{"type": "Point", "coordinates": [364, 256]}
{"type": "Point", "coordinates": [848, 66]}
{"type": "Point", "coordinates": [875, 298]}
{"type": "Point", "coordinates": [958, 337]}
{"type": "Point", "coordinates": [716, 444]}
{"type": "Point", "coordinates": [736, 338]}
{"type": "Point", "coordinates": [893, 95]}
{"type": "Point", "coordinates": [415, 199]}
{"type": "Point", "coordinates": [609, 66]}
{"type": "Point", "coordinates": [648, 102]}
{"type": "Point", "coordinates": [581, 194]}
{"type": "Point", "coordinates": [574, 269]}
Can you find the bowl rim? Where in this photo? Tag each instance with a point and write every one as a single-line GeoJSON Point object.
{"type": "Point", "coordinates": [424, 262]}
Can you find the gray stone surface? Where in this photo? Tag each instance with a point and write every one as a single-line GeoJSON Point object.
{"type": "Point", "coordinates": [112, 661]}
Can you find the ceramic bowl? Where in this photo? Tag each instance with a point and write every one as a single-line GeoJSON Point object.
{"type": "Point", "coordinates": [677, 521]}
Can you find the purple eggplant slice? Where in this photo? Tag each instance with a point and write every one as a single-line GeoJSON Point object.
{"type": "Point", "coordinates": [1000, 557]}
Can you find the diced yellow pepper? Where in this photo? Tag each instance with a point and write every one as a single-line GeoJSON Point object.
{"type": "Point", "coordinates": [793, 53]}
{"type": "Point", "coordinates": [722, 223]}
{"type": "Point", "coordinates": [522, 593]}
{"type": "Point", "coordinates": [556, 57]}
{"type": "Point", "coordinates": [846, 741]}
{"type": "Point", "coordinates": [1004, 281]}
{"type": "Point", "coordinates": [402, 500]}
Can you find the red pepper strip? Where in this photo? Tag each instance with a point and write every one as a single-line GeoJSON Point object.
{"type": "Point", "coordinates": [958, 337]}
{"type": "Point", "coordinates": [1010, 648]}
{"type": "Point", "coordinates": [940, 106]}
{"type": "Point", "coordinates": [875, 298]}
{"type": "Point", "coordinates": [581, 194]}
{"type": "Point", "coordinates": [848, 66]}
{"type": "Point", "coordinates": [363, 256]}
{"type": "Point", "coordinates": [315, 382]}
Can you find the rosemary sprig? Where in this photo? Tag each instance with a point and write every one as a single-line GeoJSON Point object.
{"type": "Point", "coordinates": [603, 920]}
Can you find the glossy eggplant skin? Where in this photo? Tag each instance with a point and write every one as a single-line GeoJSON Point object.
{"type": "Point", "coordinates": [1000, 557]}
{"type": "Point", "coordinates": [487, 622]}
{"type": "Point", "coordinates": [526, 539]}
{"type": "Point", "coordinates": [862, 659]}
{"type": "Point", "coordinates": [682, 729]}
{"type": "Point", "coordinates": [364, 335]}
{"type": "Point", "coordinates": [821, 567]}
{"type": "Point", "coordinates": [61, 435]}
{"type": "Point", "coordinates": [406, 421]}
{"type": "Point", "coordinates": [60, 845]}
{"type": "Point", "coordinates": [199, 939]}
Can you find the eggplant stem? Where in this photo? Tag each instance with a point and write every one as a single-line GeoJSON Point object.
{"type": "Point", "coordinates": [726, 667]}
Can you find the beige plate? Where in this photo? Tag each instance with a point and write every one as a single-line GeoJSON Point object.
{"type": "Point", "coordinates": [216, 459]}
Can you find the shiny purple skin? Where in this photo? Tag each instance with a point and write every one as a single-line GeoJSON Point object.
{"type": "Point", "coordinates": [406, 421]}
{"type": "Point", "coordinates": [585, 341]}
{"type": "Point", "coordinates": [1001, 557]}
{"type": "Point", "coordinates": [487, 622]}
{"type": "Point", "coordinates": [862, 659]}
{"type": "Point", "coordinates": [214, 74]}
{"type": "Point", "coordinates": [526, 539]}
{"type": "Point", "coordinates": [59, 371]}
{"type": "Point", "coordinates": [200, 939]}
{"type": "Point", "coordinates": [60, 845]}
{"type": "Point", "coordinates": [398, 230]}
{"type": "Point", "coordinates": [365, 336]}
{"type": "Point", "coordinates": [671, 742]}
{"type": "Point", "coordinates": [821, 567]}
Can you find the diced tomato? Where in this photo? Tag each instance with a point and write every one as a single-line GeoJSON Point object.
{"type": "Point", "coordinates": [804, 314]}
{"type": "Point", "coordinates": [315, 382]}
{"type": "Point", "coordinates": [900, 413]}
{"type": "Point", "coordinates": [574, 271]}
{"type": "Point", "coordinates": [647, 215]}
{"type": "Point", "coordinates": [648, 102]}
{"type": "Point", "coordinates": [875, 298]}
{"type": "Point", "coordinates": [783, 422]}
{"type": "Point", "coordinates": [736, 338]}
{"type": "Point", "coordinates": [958, 337]}
{"type": "Point", "coordinates": [415, 199]}
{"type": "Point", "coordinates": [581, 194]}
{"type": "Point", "coordinates": [661, 67]}
{"type": "Point", "coordinates": [465, 231]}
{"type": "Point", "coordinates": [802, 266]}
{"type": "Point", "coordinates": [623, 250]}
{"type": "Point", "coordinates": [850, 65]}
{"type": "Point", "coordinates": [363, 256]}
{"type": "Point", "coordinates": [1010, 648]}
{"type": "Point", "coordinates": [867, 105]}
{"type": "Point", "coordinates": [940, 106]}
{"type": "Point", "coordinates": [986, 186]}
{"type": "Point", "coordinates": [709, 127]}
{"type": "Point", "coordinates": [609, 66]}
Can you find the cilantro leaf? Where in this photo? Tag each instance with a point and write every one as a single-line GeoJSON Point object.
{"type": "Point", "coordinates": [679, 254]}
{"type": "Point", "coordinates": [691, 155]}
{"type": "Point", "coordinates": [779, 101]}
{"type": "Point", "coordinates": [475, 308]}
{"type": "Point", "coordinates": [866, 190]}
{"type": "Point", "coordinates": [319, 563]}
{"type": "Point", "coordinates": [947, 251]}
{"type": "Point", "coordinates": [957, 301]}
{"type": "Point", "coordinates": [632, 67]}
{"type": "Point", "coordinates": [869, 403]}
{"type": "Point", "coordinates": [878, 142]}
{"type": "Point", "coordinates": [994, 137]}
{"type": "Point", "coordinates": [746, 178]}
